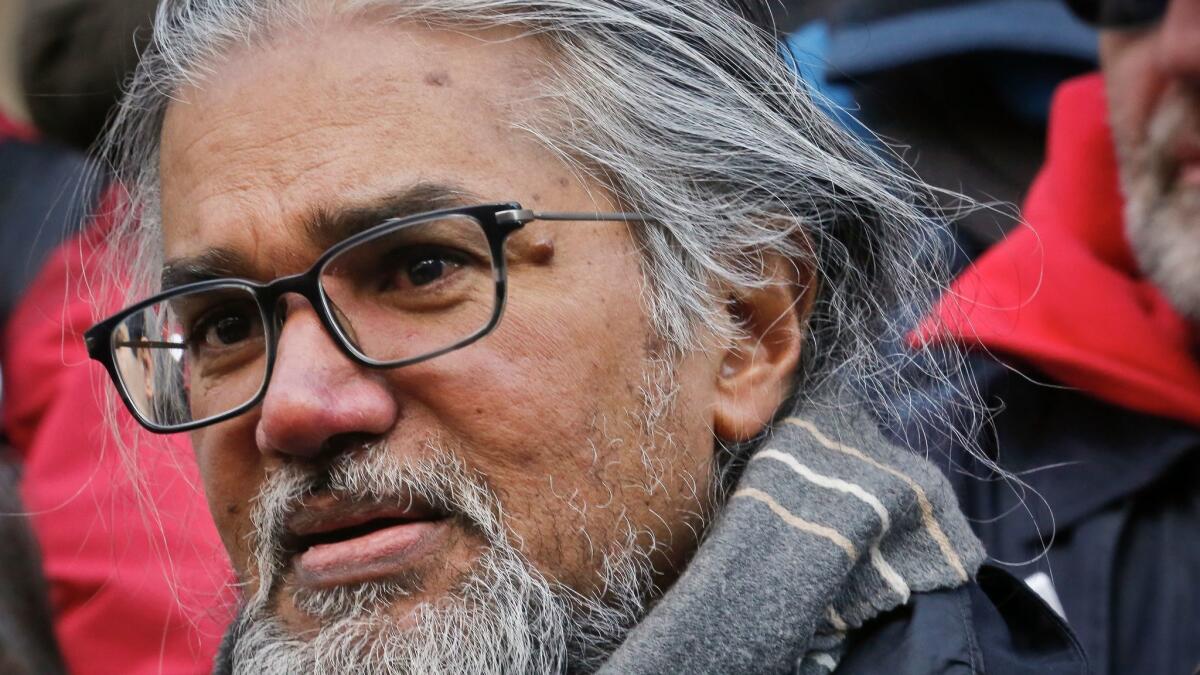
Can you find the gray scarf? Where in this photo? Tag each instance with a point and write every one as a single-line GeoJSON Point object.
{"type": "Point", "coordinates": [829, 526]}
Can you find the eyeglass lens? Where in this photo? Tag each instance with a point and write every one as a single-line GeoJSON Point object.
{"type": "Point", "coordinates": [404, 294]}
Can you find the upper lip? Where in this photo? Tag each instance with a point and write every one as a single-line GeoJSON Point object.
{"type": "Point", "coordinates": [328, 517]}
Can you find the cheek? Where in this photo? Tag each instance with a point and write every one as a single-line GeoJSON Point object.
{"type": "Point", "coordinates": [231, 475]}
{"type": "Point", "coordinates": [1134, 83]}
{"type": "Point", "coordinates": [531, 402]}
{"type": "Point", "coordinates": [570, 347]}
{"type": "Point", "coordinates": [565, 445]}
{"type": "Point", "coordinates": [528, 396]}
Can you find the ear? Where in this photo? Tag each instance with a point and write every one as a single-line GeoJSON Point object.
{"type": "Point", "coordinates": [757, 369]}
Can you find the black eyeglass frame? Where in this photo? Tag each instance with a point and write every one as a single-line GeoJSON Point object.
{"type": "Point", "coordinates": [497, 220]}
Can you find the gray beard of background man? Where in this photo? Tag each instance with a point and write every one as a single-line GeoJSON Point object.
{"type": "Point", "coordinates": [1162, 216]}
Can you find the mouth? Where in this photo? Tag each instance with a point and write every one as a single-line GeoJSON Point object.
{"type": "Point", "coordinates": [334, 543]}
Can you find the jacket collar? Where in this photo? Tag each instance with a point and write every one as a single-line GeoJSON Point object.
{"type": "Point", "coordinates": [1063, 292]}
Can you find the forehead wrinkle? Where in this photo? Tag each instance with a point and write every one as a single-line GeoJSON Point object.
{"type": "Point", "coordinates": [365, 98]}
{"type": "Point", "coordinates": [231, 149]}
{"type": "Point", "coordinates": [212, 108]}
{"type": "Point", "coordinates": [301, 126]}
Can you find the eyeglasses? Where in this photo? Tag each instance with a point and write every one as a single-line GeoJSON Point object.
{"type": "Point", "coordinates": [1119, 13]}
{"type": "Point", "coordinates": [402, 292]}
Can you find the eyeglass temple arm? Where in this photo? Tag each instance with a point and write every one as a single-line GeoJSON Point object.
{"type": "Point", "coordinates": [523, 216]}
{"type": "Point", "coordinates": [155, 344]}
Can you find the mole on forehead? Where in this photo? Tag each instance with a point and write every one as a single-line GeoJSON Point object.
{"type": "Point", "coordinates": [437, 78]}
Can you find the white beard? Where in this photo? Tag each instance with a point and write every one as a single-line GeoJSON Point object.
{"type": "Point", "coordinates": [1162, 219]}
{"type": "Point", "coordinates": [504, 617]}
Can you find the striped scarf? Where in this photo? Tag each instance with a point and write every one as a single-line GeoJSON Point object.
{"type": "Point", "coordinates": [829, 526]}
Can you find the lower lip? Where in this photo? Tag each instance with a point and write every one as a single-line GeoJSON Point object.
{"type": "Point", "coordinates": [380, 554]}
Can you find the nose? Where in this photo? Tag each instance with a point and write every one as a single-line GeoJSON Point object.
{"type": "Point", "coordinates": [1179, 43]}
{"type": "Point", "coordinates": [316, 394]}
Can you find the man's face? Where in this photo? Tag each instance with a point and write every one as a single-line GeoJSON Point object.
{"type": "Point", "coordinates": [1153, 82]}
{"type": "Point", "coordinates": [560, 447]}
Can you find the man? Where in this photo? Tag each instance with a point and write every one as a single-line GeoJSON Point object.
{"type": "Point", "coordinates": [523, 338]}
{"type": "Point", "coordinates": [1088, 318]}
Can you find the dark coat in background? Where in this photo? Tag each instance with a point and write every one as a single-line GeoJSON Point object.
{"type": "Point", "coordinates": [1120, 516]}
{"type": "Point", "coordinates": [45, 190]}
{"type": "Point", "coordinates": [1094, 383]}
{"type": "Point", "coordinates": [27, 645]}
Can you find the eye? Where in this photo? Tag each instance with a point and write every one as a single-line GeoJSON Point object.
{"type": "Point", "coordinates": [227, 330]}
{"type": "Point", "coordinates": [415, 269]}
{"type": "Point", "coordinates": [427, 271]}
{"type": "Point", "coordinates": [225, 327]}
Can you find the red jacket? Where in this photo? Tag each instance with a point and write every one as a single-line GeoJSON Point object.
{"type": "Point", "coordinates": [139, 580]}
{"type": "Point", "coordinates": [1063, 292]}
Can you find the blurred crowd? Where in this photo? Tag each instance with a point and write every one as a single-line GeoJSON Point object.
{"type": "Point", "coordinates": [1077, 300]}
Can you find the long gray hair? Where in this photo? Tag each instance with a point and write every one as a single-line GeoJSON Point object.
{"type": "Point", "coordinates": [688, 112]}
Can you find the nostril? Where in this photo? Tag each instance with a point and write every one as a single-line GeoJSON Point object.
{"type": "Point", "coordinates": [347, 443]}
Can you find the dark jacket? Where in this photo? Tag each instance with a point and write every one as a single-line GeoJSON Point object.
{"type": "Point", "coordinates": [27, 644]}
{"type": "Point", "coordinates": [995, 626]}
{"type": "Point", "coordinates": [1115, 496]}
{"type": "Point", "coordinates": [1093, 379]}
{"type": "Point", "coordinates": [43, 196]}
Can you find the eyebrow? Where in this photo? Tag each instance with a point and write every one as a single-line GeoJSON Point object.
{"type": "Point", "coordinates": [214, 263]}
{"type": "Point", "coordinates": [324, 225]}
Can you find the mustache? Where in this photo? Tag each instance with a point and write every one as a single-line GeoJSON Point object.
{"type": "Point", "coordinates": [435, 478]}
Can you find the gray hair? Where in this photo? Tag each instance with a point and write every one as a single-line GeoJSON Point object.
{"type": "Point", "coordinates": [688, 112]}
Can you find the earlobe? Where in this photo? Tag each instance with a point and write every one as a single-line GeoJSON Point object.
{"type": "Point", "coordinates": [757, 369]}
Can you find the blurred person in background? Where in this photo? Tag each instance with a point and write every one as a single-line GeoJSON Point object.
{"type": "Point", "coordinates": [137, 579]}
{"type": "Point", "coordinates": [959, 88]}
{"type": "Point", "coordinates": [27, 643]}
{"type": "Point", "coordinates": [75, 55]}
{"type": "Point", "coordinates": [43, 188]}
{"type": "Point", "coordinates": [1085, 323]}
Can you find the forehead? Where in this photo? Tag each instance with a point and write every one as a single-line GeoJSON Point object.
{"type": "Point", "coordinates": [330, 117]}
